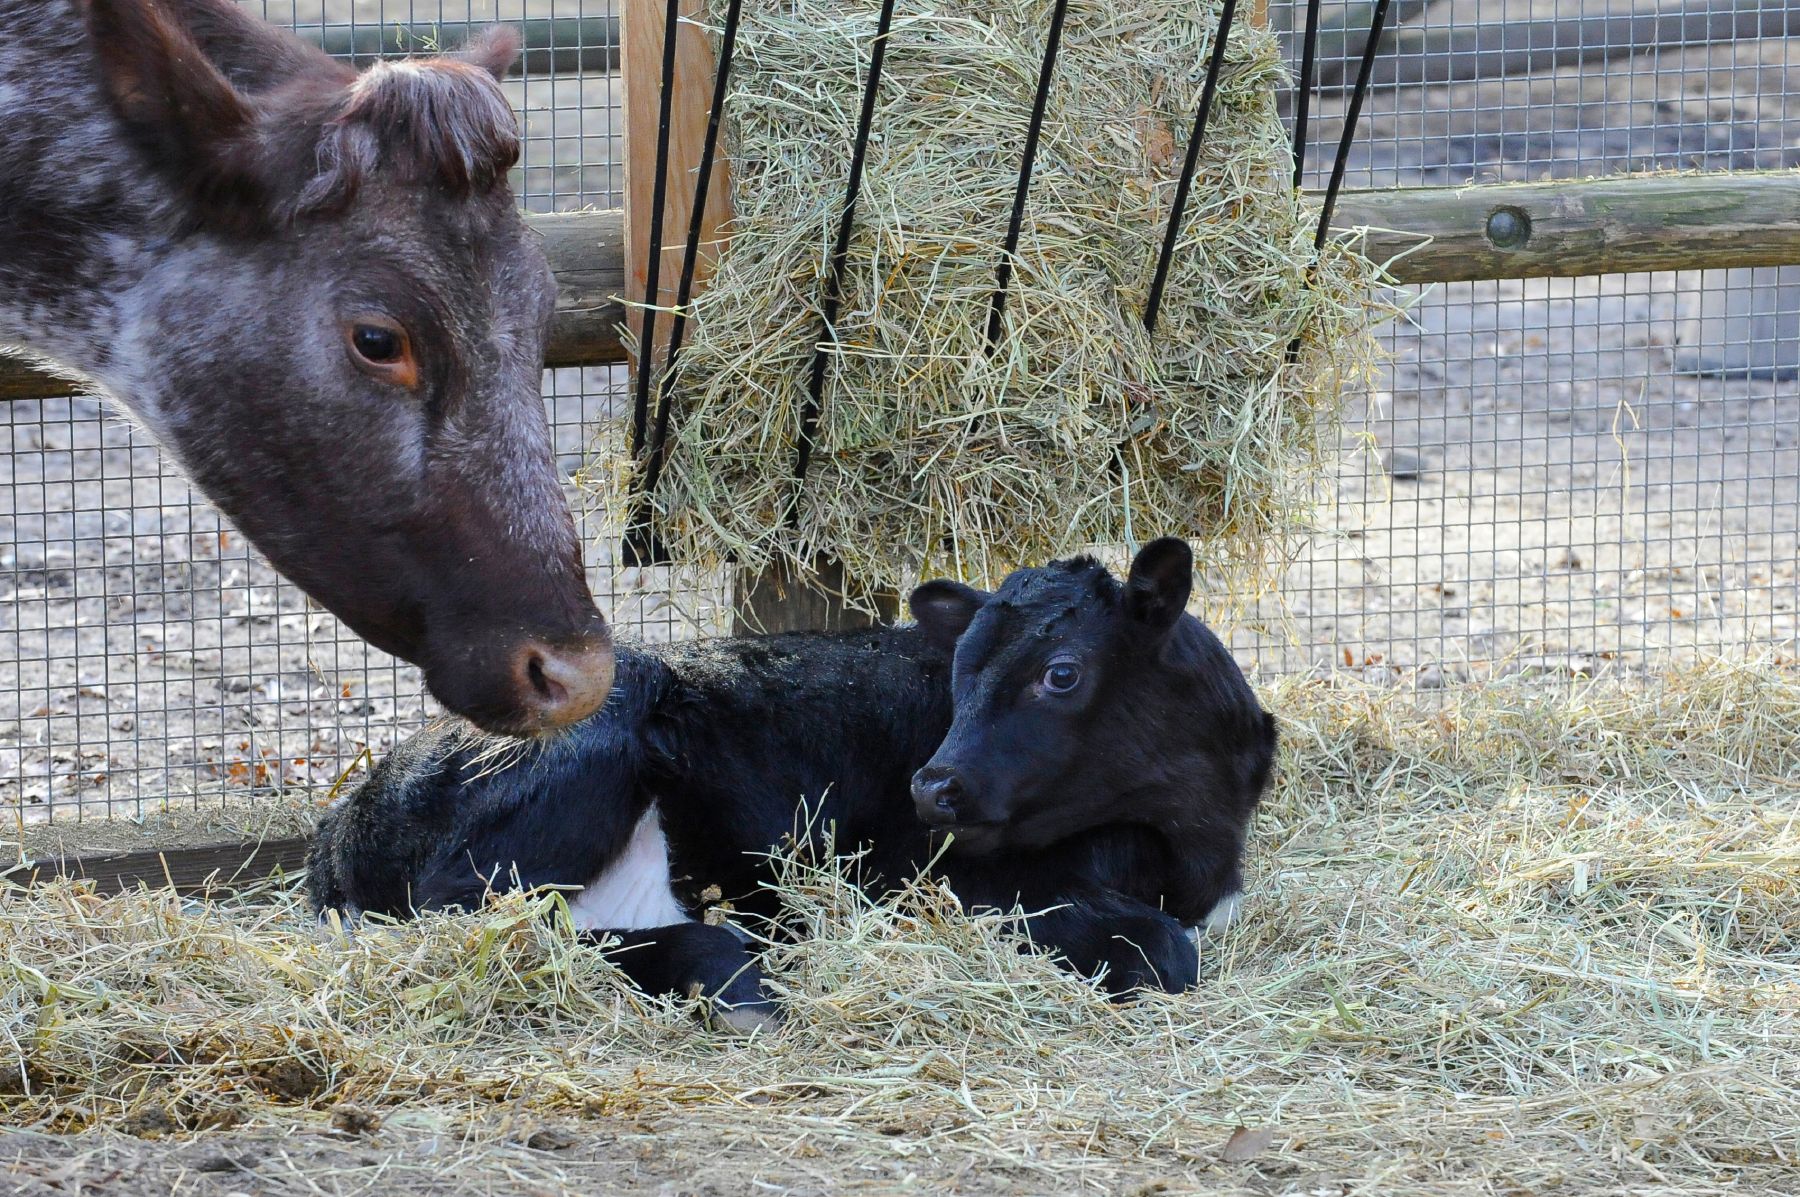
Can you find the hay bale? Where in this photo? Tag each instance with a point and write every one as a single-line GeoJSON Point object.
{"type": "Point", "coordinates": [930, 455]}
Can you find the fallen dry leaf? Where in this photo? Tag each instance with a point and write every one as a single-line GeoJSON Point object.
{"type": "Point", "coordinates": [1159, 146]}
{"type": "Point", "coordinates": [1245, 1143]}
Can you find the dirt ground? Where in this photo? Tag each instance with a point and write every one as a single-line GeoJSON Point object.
{"type": "Point", "coordinates": [1546, 478]}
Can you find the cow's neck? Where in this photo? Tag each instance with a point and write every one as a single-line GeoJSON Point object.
{"type": "Point", "coordinates": [80, 216]}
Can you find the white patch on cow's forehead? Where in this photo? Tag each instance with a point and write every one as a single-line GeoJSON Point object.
{"type": "Point", "coordinates": [635, 891]}
{"type": "Point", "coordinates": [374, 76]}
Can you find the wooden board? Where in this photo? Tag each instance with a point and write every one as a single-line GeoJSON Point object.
{"type": "Point", "coordinates": [205, 868]}
{"type": "Point", "coordinates": [1577, 227]}
{"type": "Point", "coordinates": [777, 600]}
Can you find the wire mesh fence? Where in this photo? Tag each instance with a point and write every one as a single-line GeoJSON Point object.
{"type": "Point", "coordinates": [1571, 476]}
{"type": "Point", "coordinates": [1565, 476]}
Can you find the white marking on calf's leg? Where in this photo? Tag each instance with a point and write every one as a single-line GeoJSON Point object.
{"type": "Point", "coordinates": [634, 892]}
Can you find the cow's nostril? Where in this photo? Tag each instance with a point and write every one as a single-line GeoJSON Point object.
{"type": "Point", "coordinates": [938, 794]}
{"type": "Point", "coordinates": [562, 684]}
{"type": "Point", "coordinates": [542, 685]}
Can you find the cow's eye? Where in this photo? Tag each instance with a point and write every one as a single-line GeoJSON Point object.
{"type": "Point", "coordinates": [380, 348]}
{"type": "Point", "coordinates": [1062, 677]}
{"type": "Point", "coordinates": [376, 344]}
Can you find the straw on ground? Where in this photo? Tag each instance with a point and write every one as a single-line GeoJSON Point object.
{"type": "Point", "coordinates": [1504, 940]}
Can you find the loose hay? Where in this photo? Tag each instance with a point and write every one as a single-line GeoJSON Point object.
{"type": "Point", "coordinates": [1509, 942]}
{"type": "Point", "coordinates": [931, 457]}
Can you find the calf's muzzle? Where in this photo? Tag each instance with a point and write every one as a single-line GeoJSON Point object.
{"type": "Point", "coordinates": [945, 796]}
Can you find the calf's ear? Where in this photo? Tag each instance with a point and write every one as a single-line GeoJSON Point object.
{"type": "Point", "coordinates": [944, 609]}
{"type": "Point", "coordinates": [1162, 577]}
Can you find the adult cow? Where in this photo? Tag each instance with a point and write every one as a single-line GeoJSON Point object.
{"type": "Point", "coordinates": [314, 288]}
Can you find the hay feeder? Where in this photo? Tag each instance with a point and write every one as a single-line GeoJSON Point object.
{"type": "Point", "coordinates": [935, 315]}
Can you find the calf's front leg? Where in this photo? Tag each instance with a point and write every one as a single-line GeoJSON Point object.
{"type": "Point", "coordinates": [695, 960]}
{"type": "Point", "coordinates": [1138, 946]}
{"type": "Point", "coordinates": [1128, 944]}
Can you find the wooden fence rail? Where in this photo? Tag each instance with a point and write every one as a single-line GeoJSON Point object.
{"type": "Point", "coordinates": [1573, 229]}
{"type": "Point", "coordinates": [550, 45]}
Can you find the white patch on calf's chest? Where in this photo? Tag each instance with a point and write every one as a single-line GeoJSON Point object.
{"type": "Point", "coordinates": [634, 892]}
{"type": "Point", "coordinates": [1223, 914]}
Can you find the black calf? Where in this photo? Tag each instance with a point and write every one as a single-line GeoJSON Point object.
{"type": "Point", "coordinates": [1094, 751]}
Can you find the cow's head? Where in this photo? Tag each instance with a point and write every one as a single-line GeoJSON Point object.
{"type": "Point", "coordinates": [340, 335]}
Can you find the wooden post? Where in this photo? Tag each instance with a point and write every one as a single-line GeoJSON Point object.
{"type": "Point", "coordinates": [689, 105]}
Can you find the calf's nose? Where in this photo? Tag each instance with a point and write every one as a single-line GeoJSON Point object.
{"type": "Point", "coordinates": [938, 795]}
{"type": "Point", "coordinates": [557, 685]}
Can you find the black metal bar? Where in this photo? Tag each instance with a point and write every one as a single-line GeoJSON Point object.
{"type": "Point", "coordinates": [1003, 272]}
{"type": "Point", "coordinates": [646, 355]}
{"type": "Point", "coordinates": [840, 253]}
{"type": "Point", "coordinates": [640, 545]}
{"type": "Point", "coordinates": [1154, 304]}
{"type": "Point", "coordinates": [1338, 166]}
{"type": "Point", "coordinates": [1345, 139]}
{"type": "Point", "coordinates": [1309, 50]}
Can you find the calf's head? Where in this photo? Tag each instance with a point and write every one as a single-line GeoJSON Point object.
{"type": "Point", "coordinates": [340, 337]}
{"type": "Point", "coordinates": [1077, 699]}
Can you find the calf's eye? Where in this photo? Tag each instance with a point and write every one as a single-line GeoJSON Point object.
{"type": "Point", "coordinates": [1062, 677]}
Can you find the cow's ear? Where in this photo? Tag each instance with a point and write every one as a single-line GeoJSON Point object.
{"type": "Point", "coordinates": [253, 54]}
{"type": "Point", "coordinates": [944, 609]}
{"type": "Point", "coordinates": [1162, 577]}
{"type": "Point", "coordinates": [494, 50]}
{"type": "Point", "coordinates": [184, 116]}
{"type": "Point", "coordinates": [178, 108]}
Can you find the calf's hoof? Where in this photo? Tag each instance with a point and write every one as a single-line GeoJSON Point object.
{"type": "Point", "coordinates": [1154, 955]}
{"type": "Point", "coordinates": [744, 1017]}
{"type": "Point", "coordinates": [734, 1001]}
